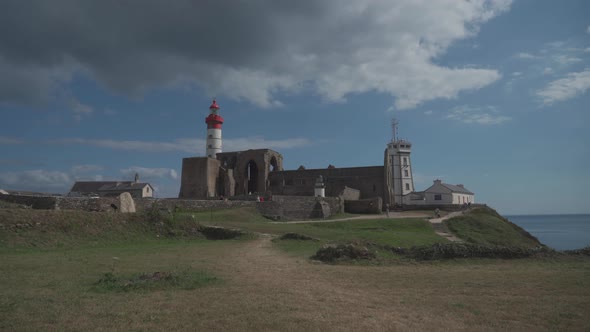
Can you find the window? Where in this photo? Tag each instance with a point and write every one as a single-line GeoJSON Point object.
{"type": "Point", "coordinates": [210, 146]}
{"type": "Point", "coordinates": [147, 189]}
{"type": "Point", "coordinates": [210, 136]}
{"type": "Point", "coordinates": [407, 186]}
{"type": "Point", "coordinates": [406, 173]}
{"type": "Point", "coordinates": [438, 197]}
{"type": "Point", "coordinates": [405, 161]}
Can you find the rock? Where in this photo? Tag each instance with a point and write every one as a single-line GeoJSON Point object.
{"type": "Point", "coordinates": [126, 203]}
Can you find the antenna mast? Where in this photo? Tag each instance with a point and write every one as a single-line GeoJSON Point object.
{"type": "Point", "coordinates": [394, 124]}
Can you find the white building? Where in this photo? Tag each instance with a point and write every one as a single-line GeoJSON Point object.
{"type": "Point", "coordinates": [443, 193]}
{"type": "Point", "coordinates": [399, 182]}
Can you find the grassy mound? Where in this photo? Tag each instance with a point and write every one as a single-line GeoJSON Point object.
{"type": "Point", "coordinates": [484, 226]}
{"type": "Point", "coordinates": [47, 229]}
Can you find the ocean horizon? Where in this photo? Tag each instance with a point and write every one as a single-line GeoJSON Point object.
{"type": "Point", "coordinates": [558, 231]}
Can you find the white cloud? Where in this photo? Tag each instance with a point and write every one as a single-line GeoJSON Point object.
{"type": "Point", "coordinates": [37, 180]}
{"type": "Point", "coordinates": [429, 112]}
{"type": "Point", "coordinates": [486, 115]}
{"type": "Point", "coordinates": [588, 29]}
{"type": "Point", "coordinates": [263, 48]}
{"type": "Point", "coordinates": [566, 59]}
{"type": "Point", "coordinates": [79, 169]}
{"type": "Point", "coordinates": [525, 55]}
{"type": "Point", "coordinates": [547, 70]}
{"type": "Point", "coordinates": [572, 85]}
{"type": "Point", "coordinates": [517, 73]}
{"type": "Point", "coordinates": [10, 140]}
{"type": "Point", "coordinates": [194, 146]}
{"type": "Point", "coordinates": [587, 50]}
{"type": "Point", "coordinates": [150, 173]}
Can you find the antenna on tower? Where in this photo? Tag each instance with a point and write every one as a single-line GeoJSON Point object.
{"type": "Point", "coordinates": [394, 124]}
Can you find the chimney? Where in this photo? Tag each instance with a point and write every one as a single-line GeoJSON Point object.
{"type": "Point", "coordinates": [437, 181]}
{"type": "Point", "coordinates": [460, 185]}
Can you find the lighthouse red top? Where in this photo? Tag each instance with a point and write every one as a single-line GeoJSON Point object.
{"type": "Point", "coordinates": [214, 105]}
{"type": "Point", "coordinates": [214, 121]}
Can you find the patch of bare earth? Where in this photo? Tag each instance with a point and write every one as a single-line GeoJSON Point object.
{"type": "Point", "coordinates": [271, 290]}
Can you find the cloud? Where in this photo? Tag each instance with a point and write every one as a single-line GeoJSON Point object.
{"type": "Point", "coordinates": [566, 60]}
{"type": "Point", "coordinates": [78, 169]}
{"type": "Point", "coordinates": [588, 29]}
{"type": "Point", "coordinates": [36, 180]}
{"type": "Point", "coordinates": [486, 115]}
{"type": "Point", "coordinates": [429, 112]}
{"type": "Point", "coordinates": [150, 173]}
{"type": "Point", "coordinates": [572, 85]}
{"type": "Point", "coordinates": [517, 73]}
{"type": "Point", "coordinates": [525, 55]}
{"type": "Point", "coordinates": [10, 140]}
{"type": "Point", "coordinates": [246, 50]}
{"type": "Point", "coordinates": [186, 145]}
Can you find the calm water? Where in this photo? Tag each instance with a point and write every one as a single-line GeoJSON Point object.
{"type": "Point", "coordinates": [561, 231]}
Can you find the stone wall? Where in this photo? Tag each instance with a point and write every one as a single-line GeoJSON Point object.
{"type": "Point", "coordinates": [189, 204]}
{"type": "Point", "coordinates": [199, 176]}
{"type": "Point", "coordinates": [368, 180]}
{"type": "Point", "coordinates": [35, 202]}
{"type": "Point", "coordinates": [350, 194]}
{"type": "Point", "coordinates": [442, 207]}
{"type": "Point", "coordinates": [370, 205]}
{"type": "Point", "coordinates": [300, 207]}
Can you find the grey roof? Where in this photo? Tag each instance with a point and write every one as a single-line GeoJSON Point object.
{"type": "Point", "coordinates": [97, 186]}
{"type": "Point", "coordinates": [456, 189]}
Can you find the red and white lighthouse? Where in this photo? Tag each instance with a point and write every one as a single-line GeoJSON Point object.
{"type": "Point", "coordinates": [214, 122]}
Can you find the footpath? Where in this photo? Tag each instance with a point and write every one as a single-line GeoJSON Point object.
{"type": "Point", "coordinates": [441, 229]}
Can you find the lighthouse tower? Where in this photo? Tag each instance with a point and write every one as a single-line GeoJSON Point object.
{"type": "Point", "coordinates": [214, 122]}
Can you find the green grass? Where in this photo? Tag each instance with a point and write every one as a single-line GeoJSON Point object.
{"type": "Point", "coordinates": [486, 227]}
{"type": "Point", "coordinates": [153, 281]}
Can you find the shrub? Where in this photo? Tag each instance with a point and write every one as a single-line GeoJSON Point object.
{"type": "Point", "coordinates": [334, 253]}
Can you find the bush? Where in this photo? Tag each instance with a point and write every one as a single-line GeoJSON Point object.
{"type": "Point", "coordinates": [465, 250]}
{"type": "Point", "coordinates": [296, 236]}
{"type": "Point", "coordinates": [220, 233]}
{"type": "Point", "coordinates": [584, 251]}
{"type": "Point", "coordinates": [334, 253]}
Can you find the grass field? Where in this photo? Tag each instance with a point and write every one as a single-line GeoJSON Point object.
{"type": "Point", "coordinates": [253, 284]}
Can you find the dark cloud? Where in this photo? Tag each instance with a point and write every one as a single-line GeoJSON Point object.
{"type": "Point", "coordinates": [243, 49]}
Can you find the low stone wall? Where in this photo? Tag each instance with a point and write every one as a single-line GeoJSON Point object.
{"type": "Point", "coordinates": [300, 207]}
{"type": "Point", "coordinates": [142, 204]}
{"type": "Point", "coordinates": [35, 202]}
{"type": "Point", "coordinates": [370, 205]}
{"type": "Point", "coordinates": [431, 207]}
{"type": "Point", "coordinates": [99, 204]}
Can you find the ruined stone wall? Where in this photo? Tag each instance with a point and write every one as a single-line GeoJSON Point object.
{"type": "Point", "coordinates": [368, 180]}
{"type": "Point", "coordinates": [370, 205]}
{"type": "Point", "coordinates": [196, 181]}
{"type": "Point", "coordinates": [300, 207]}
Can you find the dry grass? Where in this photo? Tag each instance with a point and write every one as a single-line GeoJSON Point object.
{"type": "Point", "coordinates": [264, 289]}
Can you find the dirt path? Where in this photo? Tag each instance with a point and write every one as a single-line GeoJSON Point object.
{"type": "Point", "coordinates": [441, 229]}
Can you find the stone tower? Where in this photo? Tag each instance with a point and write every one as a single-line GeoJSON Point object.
{"type": "Point", "coordinates": [399, 181]}
{"type": "Point", "coordinates": [214, 122]}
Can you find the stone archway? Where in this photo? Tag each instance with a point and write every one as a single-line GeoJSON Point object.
{"type": "Point", "coordinates": [273, 165]}
{"type": "Point", "coordinates": [251, 175]}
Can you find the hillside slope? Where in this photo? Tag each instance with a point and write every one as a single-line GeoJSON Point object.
{"type": "Point", "coordinates": [485, 226]}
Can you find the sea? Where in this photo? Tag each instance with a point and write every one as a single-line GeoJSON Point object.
{"type": "Point", "coordinates": [559, 231]}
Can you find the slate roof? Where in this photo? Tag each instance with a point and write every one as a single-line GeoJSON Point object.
{"type": "Point", "coordinates": [456, 189]}
{"type": "Point", "coordinates": [98, 186]}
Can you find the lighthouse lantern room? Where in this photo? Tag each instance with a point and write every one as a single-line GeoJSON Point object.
{"type": "Point", "coordinates": [214, 122]}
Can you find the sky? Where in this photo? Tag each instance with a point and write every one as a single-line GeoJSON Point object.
{"type": "Point", "coordinates": [494, 95]}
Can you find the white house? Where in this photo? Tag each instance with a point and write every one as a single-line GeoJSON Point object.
{"type": "Point", "coordinates": [443, 193]}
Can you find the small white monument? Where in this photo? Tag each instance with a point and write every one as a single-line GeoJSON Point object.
{"type": "Point", "coordinates": [319, 188]}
